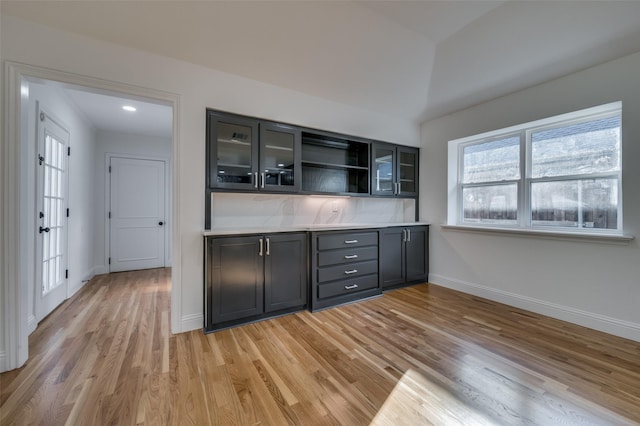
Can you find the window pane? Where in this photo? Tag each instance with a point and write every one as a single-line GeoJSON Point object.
{"type": "Point", "coordinates": [492, 161]}
{"type": "Point", "coordinates": [590, 147]}
{"type": "Point", "coordinates": [587, 203]}
{"type": "Point", "coordinates": [491, 204]}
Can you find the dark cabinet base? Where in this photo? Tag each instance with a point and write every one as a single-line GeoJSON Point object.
{"type": "Point", "coordinates": [404, 256]}
{"type": "Point", "coordinates": [248, 278]}
{"type": "Point", "coordinates": [344, 267]}
{"type": "Point", "coordinates": [251, 278]}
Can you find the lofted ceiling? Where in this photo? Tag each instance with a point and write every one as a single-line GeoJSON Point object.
{"type": "Point", "coordinates": [409, 59]}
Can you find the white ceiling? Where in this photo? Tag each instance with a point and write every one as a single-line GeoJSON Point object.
{"type": "Point", "coordinates": [105, 113]}
{"type": "Point", "coordinates": [409, 59]}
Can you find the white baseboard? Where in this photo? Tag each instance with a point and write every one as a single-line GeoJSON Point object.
{"type": "Point", "coordinates": [85, 279]}
{"type": "Point", "coordinates": [192, 322]}
{"type": "Point", "coordinates": [621, 328]}
{"type": "Point", "coordinates": [3, 361]}
{"type": "Point", "coordinates": [100, 270]}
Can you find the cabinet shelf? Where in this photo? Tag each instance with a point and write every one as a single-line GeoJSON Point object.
{"type": "Point", "coordinates": [279, 148]}
{"type": "Point", "coordinates": [239, 166]}
{"type": "Point", "coordinates": [332, 165]}
{"type": "Point", "coordinates": [233, 141]}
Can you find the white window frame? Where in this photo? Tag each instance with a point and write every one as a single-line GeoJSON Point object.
{"type": "Point", "coordinates": [524, 182]}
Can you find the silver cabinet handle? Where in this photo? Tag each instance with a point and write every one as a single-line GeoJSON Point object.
{"type": "Point", "coordinates": [408, 235]}
{"type": "Point", "coordinates": [255, 180]}
{"type": "Point", "coordinates": [399, 188]}
{"type": "Point", "coordinates": [404, 235]}
{"type": "Point", "coordinates": [268, 247]}
{"type": "Point", "coordinates": [351, 256]}
{"type": "Point", "coordinates": [350, 241]}
{"type": "Point", "coordinates": [261, 246]}
{"type": "Point", "coordinates": [353, 271]}
{"type": "Point", "coordinates": [350, 287]}
{"type": "Point", "coordinates": [262, 180]}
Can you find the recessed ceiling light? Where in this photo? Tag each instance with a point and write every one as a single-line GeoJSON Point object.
{"type": "Point", "coordinates": [129, 108]}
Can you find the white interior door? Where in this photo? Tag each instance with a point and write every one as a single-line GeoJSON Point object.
{"type": "Point", "coordinates": [51, 202]}
{"type": "Point", "coordinates": [137, 224]}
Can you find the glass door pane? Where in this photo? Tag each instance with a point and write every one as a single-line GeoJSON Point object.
{"type": "Point", "coordinates": [54, 168]}
{"type": "Point", "coordinates": [383, 182]}
{"type": "Point", "coordinates": [234, 154]}
{"type": "Point", "coordinates": [407, 172]}
{"type": "Point", "coordinates": [279, 157]}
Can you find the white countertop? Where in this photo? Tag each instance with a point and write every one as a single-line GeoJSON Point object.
{"type": "Point", "coordinates": [267, 229]}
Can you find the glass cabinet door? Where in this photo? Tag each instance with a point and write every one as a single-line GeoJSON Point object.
{"type": "Point", "coordinates": [233, 153]}
{"type": "Point", "coordinates": [407, 171]}
{"type": "Point", "coordinates": [279, 158]}
{"type": "Point", "coordinates": [383, 179]}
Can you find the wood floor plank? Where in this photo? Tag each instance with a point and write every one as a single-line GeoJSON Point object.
{"type": "Point", "coordinates": [419, 355]}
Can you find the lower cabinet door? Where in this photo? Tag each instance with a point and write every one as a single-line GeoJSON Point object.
{"type": "Point", "coordinates": [392, 270]}
{"type": "Point", "coordinates": [285, 273]}
{"type": "Point", "coordinates": [417, 256]}
{"type": "Point", "coordinates": [236, 269]}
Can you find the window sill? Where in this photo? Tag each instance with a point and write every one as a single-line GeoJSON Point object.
{"type": "Point", "coordinates": [551, 235]}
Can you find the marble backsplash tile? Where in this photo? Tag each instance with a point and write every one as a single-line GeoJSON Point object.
{"type": "Point", "coordinates": [254, 210]}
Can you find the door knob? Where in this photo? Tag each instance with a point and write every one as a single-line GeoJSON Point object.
{"type": "Point", "coordinates": [44, 229]}
{"type": "Point", "coordinates": [161, 223]}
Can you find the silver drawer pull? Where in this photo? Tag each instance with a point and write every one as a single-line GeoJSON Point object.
{"type": "Point", "coordinates": [350, 287]}
{"type": "Point", "coordinates": [351, 256]}
{"type": "Point", "coordinates": [353, 271]}
{"type": "Point", "coordinates": [350, 241]}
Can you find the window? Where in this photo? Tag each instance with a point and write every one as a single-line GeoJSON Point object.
{"type": "Point", "coordinates": [562, 173]}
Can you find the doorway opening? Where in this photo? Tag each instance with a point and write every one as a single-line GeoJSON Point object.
{"type": "Point", "coordinates": [68, 263]}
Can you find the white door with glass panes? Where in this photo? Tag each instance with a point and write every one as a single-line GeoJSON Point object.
{"type": "Point", "coordinates": [137, 214]}
{"type": "Point", "coordinates": [51, 226]}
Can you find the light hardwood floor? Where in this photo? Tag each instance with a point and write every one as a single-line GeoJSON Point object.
{"type": "Point", "coordinates": [420, 355]}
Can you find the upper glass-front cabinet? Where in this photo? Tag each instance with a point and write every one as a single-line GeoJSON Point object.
{"type": "Point", "coordinates": [279, 158]}
{"type": "Point", "coordinates": [407, 171]}
{"type": "Point", "coordinates": [233, 152]}
{"type": "Point", "coordinates": [383, 178]}
{"type": "Point", "coordinates": [394, 171]}
{"type": "Point", "coordinates": [252, 155]}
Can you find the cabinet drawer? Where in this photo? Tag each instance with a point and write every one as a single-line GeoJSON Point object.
{"type": "Point", "coordinates": [347, 286]}
{"type": "Point", "coordinates": [349, 255]}
{"type": "Point", "coordinates": [348, 270]}
{"type": "Point", "coordinates": [352, 239]}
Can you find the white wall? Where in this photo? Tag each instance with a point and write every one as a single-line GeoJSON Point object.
{"type": "Point", "coordinates": [81, 182]}
{"type": "Point", "coordinates": [123, 144]}
{"type": "Point", "coordinates": [197, 88]}
{"type": "Point", "coordinates": [590, 283]}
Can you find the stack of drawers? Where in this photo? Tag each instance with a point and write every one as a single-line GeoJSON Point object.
{"type": "Point", "coordinates": [344, 267]}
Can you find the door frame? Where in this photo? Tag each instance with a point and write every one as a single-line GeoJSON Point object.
{"type": "Point", "coordinates": [14, 262]}
{"type": "Point", "coordinates": [167, 204]}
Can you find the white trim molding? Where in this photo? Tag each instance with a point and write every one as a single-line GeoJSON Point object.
{"type": "Point", "coordinates": [625, 329]}
{"type": "Point", "coordinates": [192, 322]}
{"type": "Point", "coordinates": [14, 318]}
